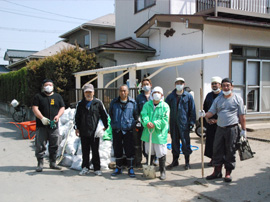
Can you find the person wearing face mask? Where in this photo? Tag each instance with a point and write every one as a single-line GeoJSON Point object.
{"type": "Point", "coordinates": [230, 110]}
{"type": "Point", "coordinates": [88, 112]}
{"type": "Point", "coordinates": [155, 118]}
{"type": "Point", "coordinates": [211, 124]}
{"type": "Point", "coordinates": [182, 120]}
{"type": "Point", "coordinates": [124, 115]}
{"type": "Point", "coordinates": [141, 99]}
{"type": "Point", "coordinates": [48, 107]}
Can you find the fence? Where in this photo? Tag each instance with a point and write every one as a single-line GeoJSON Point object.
{"type": "Point", "coordinates": [257, 6]}
{"type": "Point", "coordinates": [106, 95]}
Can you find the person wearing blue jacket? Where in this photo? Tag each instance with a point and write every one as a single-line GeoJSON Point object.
{"type": "Point", "coordinates": [182, 119]}
{"type": "Point", "coordinates": [124, 115]}
{"type": "Point", "coordinates": [141, 99]}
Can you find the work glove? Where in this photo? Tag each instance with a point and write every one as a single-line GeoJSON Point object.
{"type": "Point", "coordinates": [138, 125]}
{"type": "Point", "coordinates": [243, 133]}
{"type": "Point", "coordinates": [45, 121]}
{"type": "Point", "coordinates": [201, 113]}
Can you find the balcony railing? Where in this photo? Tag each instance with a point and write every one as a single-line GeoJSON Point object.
{"type": "Point", "coordinates": [257, 6]}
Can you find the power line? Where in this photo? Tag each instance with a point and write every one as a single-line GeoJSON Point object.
{"type": "Point", "coordinates": [36, 9]}
{"type": "Point", "coordinates": [31, 30]}
{"type": "Point", "coordinates": [37, 17]}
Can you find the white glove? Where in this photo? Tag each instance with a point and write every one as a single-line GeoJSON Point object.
{"type": "Point", "coordinates": [201, 113]}
{"type": "Point", "coordinates": [138, 125]}
{"type": "Point", "coordinates": [45, 121]}
{"type": "Point", "coordinates": [243, 133]}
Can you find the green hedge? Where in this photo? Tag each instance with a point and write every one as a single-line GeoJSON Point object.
{"type": "Point", "coordinates": [23, 84]}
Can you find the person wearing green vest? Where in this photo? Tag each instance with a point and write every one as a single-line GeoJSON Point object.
{"type": "Point", "coordinates": [155, 119]}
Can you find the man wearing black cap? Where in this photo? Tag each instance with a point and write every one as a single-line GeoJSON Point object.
{"type": "Point", "coordinates": [88, 112]}
{"type": "Point", "coordinates": [48, 107]}
{"type": "Point", "coordinates": [230, 110]}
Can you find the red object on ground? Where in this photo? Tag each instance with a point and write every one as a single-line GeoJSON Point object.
{"type": "Point", "coordinates": [29, 126]}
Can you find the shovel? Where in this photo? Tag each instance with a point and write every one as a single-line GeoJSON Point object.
{"type": "Point", "coordinates": [148, 170]}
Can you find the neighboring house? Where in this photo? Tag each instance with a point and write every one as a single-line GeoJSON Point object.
{"type": "Point", "coordinates": [176, 28]}
{"type": "Point", "coordinates": [92, 33]}
{"type": "Point", "coordinates": [3, 69]}
{"type": "Point", "coordinates": [13, 56]}
{"type": "Point", "coordinates": [52, 50]}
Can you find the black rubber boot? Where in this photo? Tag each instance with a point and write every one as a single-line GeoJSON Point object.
{"type": "Point", "coordinates": [131, 172]}
{"type": "Point", "coordinates": [40, 165]}
{"type": "Point", "coordinates": [151, 159]}
{"type": "Point", "coordinates": [54, 166]}
{"type": "Point", "coordinates": [118, 169]}
{"type": "Point", "coordinates": [174, 163]}
{"type": "Point", "coordinates": [187, 166]}
{"type": "Point", "coordinates": [216, 174]}
{"type": "Point", "coordinates": [162, 167]}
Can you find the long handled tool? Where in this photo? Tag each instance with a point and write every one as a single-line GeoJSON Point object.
{"type": "Point", "coordinates": [148, 170]}
{"type": "Point", "coordinates": [60, 158]}
{"type": "Point", "coordinates": [203, 181]}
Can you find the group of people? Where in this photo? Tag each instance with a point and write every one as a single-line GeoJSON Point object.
{"type": "Point", "coordinates": [132, 121]}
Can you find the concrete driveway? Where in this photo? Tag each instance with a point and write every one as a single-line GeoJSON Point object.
{"type": "Point", "coordinates": [19, 181]}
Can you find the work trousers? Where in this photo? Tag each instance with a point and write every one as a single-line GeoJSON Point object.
{"type": "Point", "coordinates": [225, 146]}
{"type": "Point", "coordinates": [93, 144]}
{"type": "Point", "coordinates": [138, 146]}
{"type": "Point", "coordinates": [123, 141]}
{"type": "Point", "coordinates": [209, 142]}
{"type": "Point", "coordinates": [184, 136]}
{"type": "Point", "coordinates": [43, 135]}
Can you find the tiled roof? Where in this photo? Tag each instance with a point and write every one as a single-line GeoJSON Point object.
{"type": "Point", "coordinates": [127, 44]}
{"type": "Point", "coordinates": [11, 53]}
{"type": "Point", "coordinates": [3, 69]}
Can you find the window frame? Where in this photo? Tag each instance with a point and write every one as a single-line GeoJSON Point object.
{"type": "Point", "coordinates": [145, 7]}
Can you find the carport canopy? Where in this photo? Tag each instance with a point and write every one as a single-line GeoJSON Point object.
{"type": "Point", "coordinates": [131, 68]}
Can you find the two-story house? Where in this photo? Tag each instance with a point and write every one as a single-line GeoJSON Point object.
{"type": "Point", "coordinates": [178, 28]}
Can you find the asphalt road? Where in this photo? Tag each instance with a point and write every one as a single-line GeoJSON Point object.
{"type": "Point", "coordinates": [20, 183]}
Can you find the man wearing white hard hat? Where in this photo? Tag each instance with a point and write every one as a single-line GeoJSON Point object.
{"type": "Point", "coordinates": [211, 123]}
{"type": "Point", "coordinates": [182, 120]}
{"type": "Point", "coordinates": [155, 119]}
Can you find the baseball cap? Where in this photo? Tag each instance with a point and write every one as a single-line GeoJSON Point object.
{"type": "Point", "coordinates": [157, 89]}
{"type": "Point", "coordinates": [179, 79]}
{"type": "Point", "coordinates": [46, 80]}
{"type": "Point", "coordinates": [227, 80]}
{"type": "Point", "coordinates": [88, 88]}
{"type": "Point", "coordinates": [216, 79]}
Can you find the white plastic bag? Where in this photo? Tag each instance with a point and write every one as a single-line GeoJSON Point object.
{"type": "Point", "coordinates": [14, 103]}
{"type": "Point", "coordinates": [100, 129]}
{"type": "Point", "coordinates": [77, 162]}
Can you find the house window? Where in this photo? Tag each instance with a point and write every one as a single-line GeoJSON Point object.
{"type": "Point", "coordinates": [251, 78]}
{"type": "Point", "coordinates": [102, 39]}
{"type": "Point", "coordinates": [86, 40]}
{"type": "Point", "coordinates": [143, 4]}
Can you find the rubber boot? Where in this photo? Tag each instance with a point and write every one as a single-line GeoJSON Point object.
{"type": "Point", "coordinates": [162, 167]}
{"type": "Point", "coordinates": [131, 172]}
{"type": "Point", "coordinates": [187, 166]}
{"type": "Point", "coordinates": [216, 174]}
{"type": "Point", "coordinates": [118, 169]}
{"type": "Point", "coordinates": [54, 166]}
{"type": "Point", "coordinates": [228, 177]}
{"type": "Point", "coordinates": [174, 163]}
{"type": "Point", "coordinates": [40, 165]}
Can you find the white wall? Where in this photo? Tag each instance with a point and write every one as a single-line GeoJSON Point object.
{"type": "Point", "coordinates": [217, 38]}
{"type": "Point", "coordinates": [183, 7]}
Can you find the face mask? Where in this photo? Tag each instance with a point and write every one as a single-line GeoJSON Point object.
{"type": "Point", "coordinates": [146, 88]}
{"type": "Point", "coordinates": [227, 92]}
{"type": "Point", "coordinates": [179, 87]}
{"type": "Point", "coordinates": [215, 91]}
{"type": "Point", "coordinates": [156, 96]}
{"type": "Point", "coordinates": [48, 89]}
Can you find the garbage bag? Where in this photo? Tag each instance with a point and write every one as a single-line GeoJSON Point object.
{"type": "Point", "coordinates": [244, 149]}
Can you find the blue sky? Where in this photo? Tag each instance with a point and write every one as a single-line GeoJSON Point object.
{"type": "Point", "coordinates": [35, 25]}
